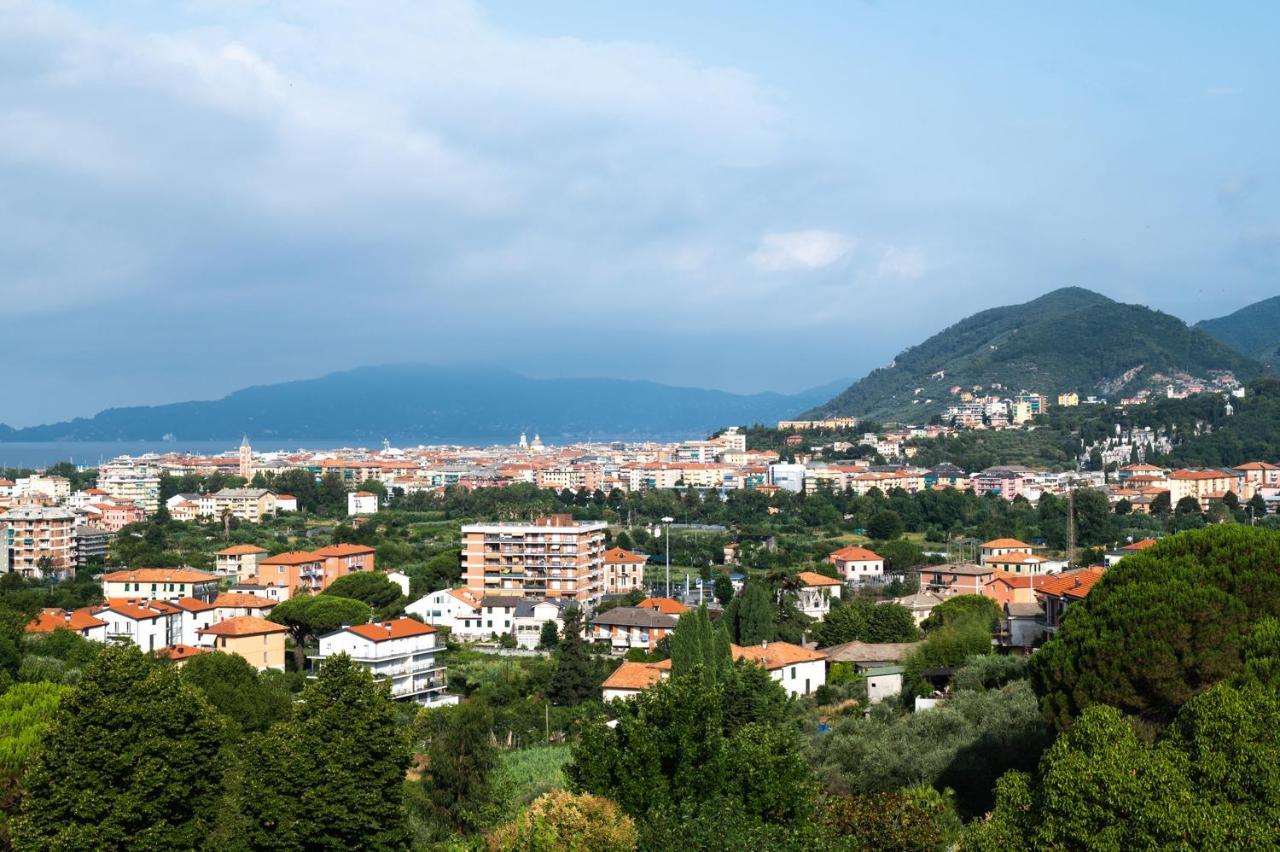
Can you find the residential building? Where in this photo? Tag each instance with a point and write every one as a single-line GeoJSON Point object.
{"type": "Point", "coordinates": [956, 579]}
{"type": "Point", "coordinates": [1018, 563]}
{"type": "Point", "coordinates": [1203, 485]}
{"type": "Point", "coordinates": [258, 641]}
{"type": "Point", "coordinates": [788, 477]}
{"type": "Point", "coordinates": [138, 486]}
{"type": "Point", "coordinates": [148, 624]}
{"type": "Point", "coordinates": [816, 593]}
{"type": "Point", "coordinates": [1113, 556]}
{"type": "Point", "coordinates": [531, 614]}
{"type": "Point", "coordinates": [627, 627]}
{"type": "Point", "coordinates": [362, 503]}
{"type": "Point", "coordinates": [457, 609]}
{"type": "Point", "coordinates": [239, 561]}
{"type": "Point", "coordinates": [883, 683]}
{"type": "Point", "coordinates": [270, 591]}
{"type": "Point", "coordinates": [666, 606]}
{"type": "Point", "coordinates": [160, 584]}
{"type": "Point", "coordinates": [799, 670]}
{"type": "Point", "coordinates": [38, 541]}
{"type": "Point", "coordinates": [1023, 625]}
{"type": "Point", "coordinates": [1002, 547]}
{"type": "Point", "coordinates": [53, 488]}
{"type": "Point", "coordinates": [90, 544]}
{"type": "Point", "coordinates": [1059, 592]}
{"type": "Point", "coordinates": [554, 557]}
{"type": "Point", "coordinates": [920, 604]}
{"type": "Point", "coordinates": [246, 504]}
{"type": "Point", "coordinates": [315, 570]}
{"type": "Point", "coordinates": [623, 571]}
{"type": "Point", "coordinates": [235, 604]}
{"type": "Point", "coordinates": [402, 651]}
{"type": "Point", "coordinates": [870, 655]}
{"type": "Point", "coordinates": [858, 565]}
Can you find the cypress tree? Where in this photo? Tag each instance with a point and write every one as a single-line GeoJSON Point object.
{"type": "Point", "coordinates": [574, 679]}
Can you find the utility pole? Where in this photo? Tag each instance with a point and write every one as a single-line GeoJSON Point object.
{"type": "Point", "coordinates": [1071, 527]}
{"type": "Point", "coordinates": [667, 523]}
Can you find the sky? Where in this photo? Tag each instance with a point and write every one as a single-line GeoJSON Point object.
{"type": "Point", "coordinates": [199, 196]}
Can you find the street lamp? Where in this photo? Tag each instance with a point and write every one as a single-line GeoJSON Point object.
{"type": "Point", "coordinates": [667, 523]}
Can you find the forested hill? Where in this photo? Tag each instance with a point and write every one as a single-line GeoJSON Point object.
{"type": "Point", "coordinates": [1067, 340]}
{"type": "Point", "coordinates": [420, 403]}
{"type": "Point", "coordinates": [1254, 330]}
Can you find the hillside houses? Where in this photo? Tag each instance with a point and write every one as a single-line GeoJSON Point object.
{"type": "Point", "coordinates": [798, 670]}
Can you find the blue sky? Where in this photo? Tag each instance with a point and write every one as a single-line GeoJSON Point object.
{"type": "Point", "coordinates": [199, 196]}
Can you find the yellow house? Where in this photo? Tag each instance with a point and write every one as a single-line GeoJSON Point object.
{"type": "Point", "coordinates": [259, 641]}
{"type": "Point", "coordinates": [1068, 400]}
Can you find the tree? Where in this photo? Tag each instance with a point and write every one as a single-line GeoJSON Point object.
{"type": "Point", "coordinates": [236, 690]}
{"type": "Point", "coordinates": [574, 679]}
{"type": "Point", "coordinates": [309, 616]}
{"type": "Point", "coordinates": [696, 644]}
{"type": "Point", "coordinates": [549, 637]}
{"type": "Point", "coordinates": [722, 588]}
{"type": "Point", "coordinates": [1209, 782]}
{"type": "Point", "coordinates": [26, 711]}
{"type": "Point", "coordinates": [460, 755]}
{"type": "Point", "coordinates": [333, 776]}
{"type": "Point", "coordinates": [885, 525]}
{"type": "Point", "coordinates": [1162, 504]}
{"type": "Point", "coordinates": [750, 617]}
{"type": "Point", "coordinates": [564, 822]}
{"type": "Point", "coordinates": [623, 540]}
{"type": "Point", "coordinates": [1187, 506]}
{"type": "Point", "coordinates": [861, 620]}
{"type": "Point", "coordinates": [671, 753]}
{"type": "Point", "coordinates": [372, 588]}
{"type": "Point", "coordinates": [979, 608]}
{"type": "Point", "coordinates": [131, 760]}
{"type": "Point", "coordinates": [1257, 506]}
{"type": "Point", "coordinates": [1161, 625]}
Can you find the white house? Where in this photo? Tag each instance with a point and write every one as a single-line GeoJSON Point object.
{"type": "Point", "coordinates": [253, 586]}
{"type": "Point", "coordinates": [858, 565]}
{"type": "Point", "coordinates": [457, 609]}
{"type": "Point", "coordinates": [286, 503]}
{"type": "Point", "coordinates": [816, 594]}
{"type": "Point", "coordinates": [401, 579]}
{"type": "Point", "coordinates": [79, 620]}
{"type": "Point", "coordinates": [150, 625]}
{"type": "Point", "coordinates": [531, 614]}
{"type": "Point", "coordinates": [401, 651]}
{"type": "Point", "coordinates": [160, 584]}
{"type": "Point", "coordinates": [235, 604]}
{"type": "Point", "coordinates": [362, 503]}
{"type": "Point", "coordinates": [799, 670]}
{"type": "Point", "coordinates": [884, 682]}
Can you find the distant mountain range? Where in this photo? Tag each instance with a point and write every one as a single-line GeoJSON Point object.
{"type": "Point", "coordinates": [1254, 330]}
{"type": "Point", "coordinates": [1067, 340]}
{"type": "Point", "coordinates": [419, 403]}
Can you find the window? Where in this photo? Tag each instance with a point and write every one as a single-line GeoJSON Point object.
{"type": "Point", "coordinates": [793, 672]}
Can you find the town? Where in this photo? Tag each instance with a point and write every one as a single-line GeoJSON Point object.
{"type": "Point", "coordinates": [862, 589]}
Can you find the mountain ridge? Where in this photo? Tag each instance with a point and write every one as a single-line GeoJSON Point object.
{"type": "Point", "coordinates": [1253, 330]}
{"type": "Point", "coordinates": [420, 402]}
{"type": "Point", "coordinates": [1069, 339]}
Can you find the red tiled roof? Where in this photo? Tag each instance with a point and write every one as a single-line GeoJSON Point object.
{"type": "Point", "coordinates": [775, 655]}
{"type": "Point", "coordinates": [51, 619]}
{"type": "Point", "coordinates": [243, 599]}
{"type": "Point", "coordinates": [401, 628]}
{"type": "Point", "coordinates": [1005, 543]}
{"type": "Point", "coordinates": [631, 675]}
{"type": "Point", "coordinates": [618, 556]}
{"type": "Point", "coordinates": [292, 557]}
{"type": "Point", "coordinates": [344, 550]}
{"type": "Point", "coordinates": [1139, 545]}
{"type": "Point", "coordinates": [159, 575]}
{"type": "Point", "coordinates": [855, 554]}
{"type": "Point", "coordinates": [240, 550]}
{"type": "Point", "coordinates": [813, 578]}
{"type": "Point", "coordinates": [180, 652]}
{"type": "Point", "coordinates": [666, 606]}
{"type": "Point", "coordinates": [244, 625]}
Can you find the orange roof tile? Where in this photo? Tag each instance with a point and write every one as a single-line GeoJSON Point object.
{"type": "Point", "coordinates": [240, 550]}
{"type": "Point", "coordinates": [666, 606]}
{"type": "Point", "coordinates": [631, 675]}
{"type": "Point", "coordinates": [192, 605]}
{"type": "Point", "coordinates": [1005, 543]}
{"type": "Point", "coordinates": [855, 554]}
{"type": "Point", "coordinates": [813, 578]}
{"type": "Point", "coordinates": [243, 599]}
{"type": "Point", "coordinates": [160, 575]}
{"type": "Point", "coordinates": [51, 619]}
{"type": "Point", "coordinates": [244, 625]}
{"type": "Point", "coordinates": [180, 652]}
{"type": "Point", "coordinates": [344, 550]}
{"type": "Point", "coordinates": [292, 557]}
{"type": "Point", "coordinates": [401, 628]}
{"type": "Point", "coordinates": [618, 556]}
{"type": "Point", "coordinates": [775, 655]}
{"type": "Point", "coordinates": [1139, 545]}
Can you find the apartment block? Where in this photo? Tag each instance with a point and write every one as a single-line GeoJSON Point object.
{"type": "Point", "coordinates": [38, 541]}
{"type": "Point", "coordinates": [554, 557]}
{"type": "Point", "coordinates": [142, 488]}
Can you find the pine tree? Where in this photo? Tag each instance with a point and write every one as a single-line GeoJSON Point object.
{"type": "Point", "coordinates": [333, 776]}
{"type": "Point", "coordinates": [574, 679]}
{"type": "Point", "coordinates": [755, 617]}
{"type": "Point", "coordinates": [131, 760]}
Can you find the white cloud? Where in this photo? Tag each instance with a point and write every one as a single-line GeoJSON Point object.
{"type": "Point", "coordinates": [906, 264]}
{"type": "Point", "coordinates": [793, 250]}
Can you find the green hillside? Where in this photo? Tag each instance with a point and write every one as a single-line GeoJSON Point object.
{"type": "Point", "coordinates": [1067, 340]}
{"type": "Point", "coordinates": [1254, 330]}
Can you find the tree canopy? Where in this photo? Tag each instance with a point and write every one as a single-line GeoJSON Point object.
{"type": "Point", "coordinates": [1162, 625]}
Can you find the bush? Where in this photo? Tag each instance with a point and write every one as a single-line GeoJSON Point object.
{"type": "Point", "coordinates": [567, 821]}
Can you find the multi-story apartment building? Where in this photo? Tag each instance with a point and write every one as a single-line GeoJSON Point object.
{"type": "Point", "coordinates": [554, 557]}
{"type": "Point", "coordinates": [56, 488]}
{"type": "Point", "coordinates": [160, 584]}
{"type": "Point", "coordinates": [623, 571]}
{"type": "Point", "coordinates": [137, 486]}
{"type": "Point", "coordinates": [314, 570]}
{"type": "Point", "coordinates": [239, 561]}
{"type": "Point", "coordinates": [401, 651]}
{"type": "Point", "coordinates": [89, 543]}
{"type": "Point", "coordinates": [38, 541]}
{"type": "Point", "coordinates": [247, 504]}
